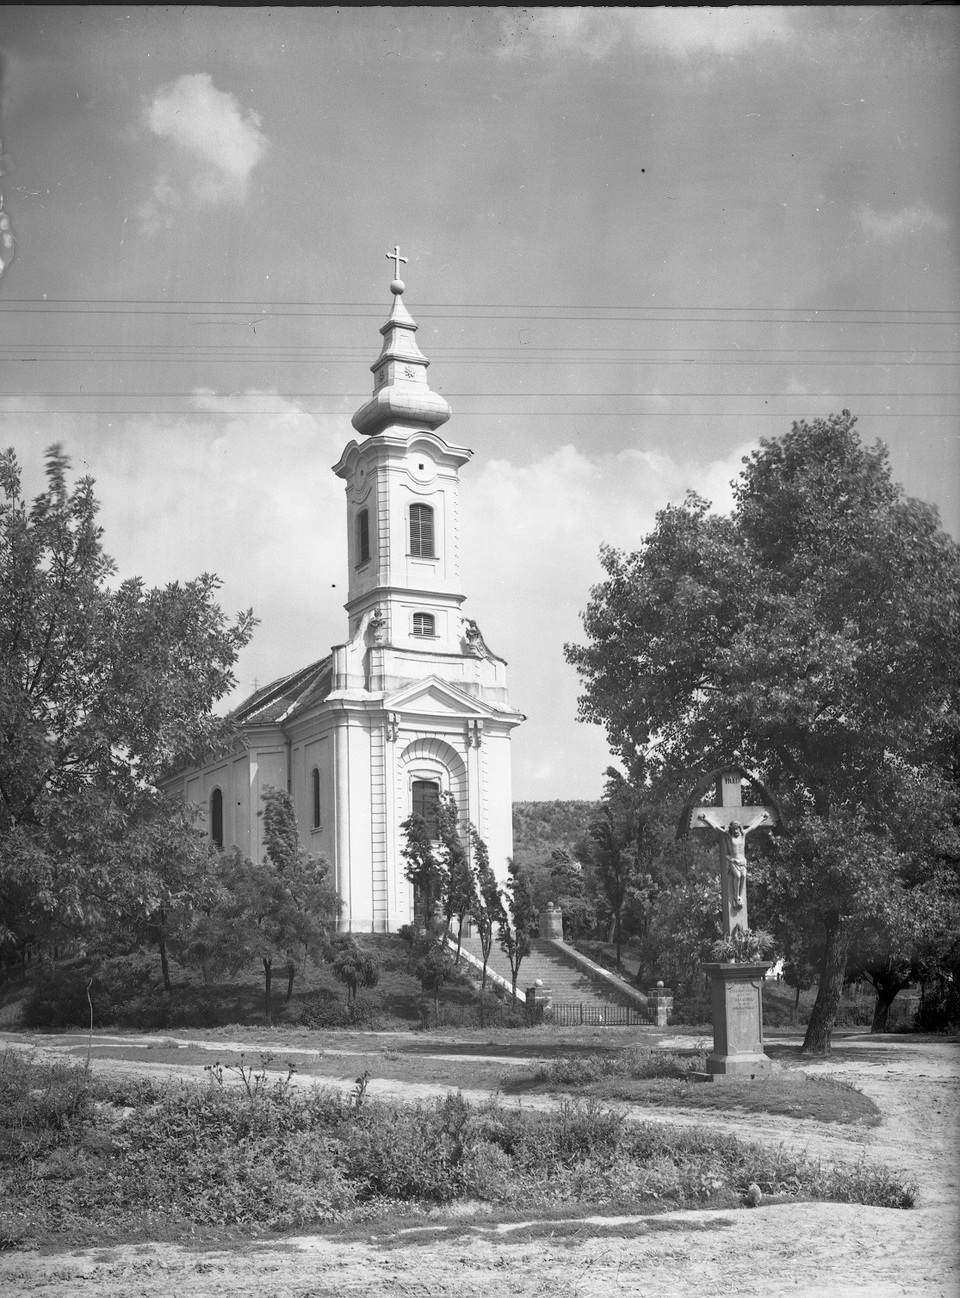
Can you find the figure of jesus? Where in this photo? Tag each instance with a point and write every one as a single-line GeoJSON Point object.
{"type": "Point", "coordinates": [735, 837]}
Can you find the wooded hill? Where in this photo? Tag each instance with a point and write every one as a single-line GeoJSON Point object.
{"type": "Point", "coordinates": [540, 828]}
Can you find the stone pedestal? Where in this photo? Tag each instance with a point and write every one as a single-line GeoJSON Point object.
{"type": "Point", "coordinates": [551, 923]}
{"type": "Point", "coordinates": [735, 994]}
{"type": "Point", "coordinates": [659, 1003]}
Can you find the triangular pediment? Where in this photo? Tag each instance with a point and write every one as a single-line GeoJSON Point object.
{"type": "Point", "coordinates": [438, 698]}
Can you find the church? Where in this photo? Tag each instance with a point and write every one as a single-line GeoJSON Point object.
{"type": "Point", "coordinates": [413, 704]}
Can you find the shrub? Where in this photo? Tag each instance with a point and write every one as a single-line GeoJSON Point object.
{"type": "Point", "coordinates": [267, 1155]}
{"type": "Point", "coordinates": [126, 991]}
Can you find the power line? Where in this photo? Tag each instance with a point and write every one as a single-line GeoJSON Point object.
{"type": "Point", "coordinates": [448, 350]}
{"type": "Point", "coordinates": [497, 414]}
{"type": "Point", "coordinates": [531, 396]}
{"type": "Point", "coordinates": [253, 303]}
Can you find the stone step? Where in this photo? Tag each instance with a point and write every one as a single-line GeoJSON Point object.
{"type": "Point", "coordinates": [565, 980]}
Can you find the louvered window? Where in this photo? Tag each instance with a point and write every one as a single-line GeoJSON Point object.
{"type": "Point", "coordinates": [216, 818]}
{"type": "Point", "coordinates": [424, 624]}
{"type": "Point", "coordinates": [315, 780]}
{"type": "Point", "coordinates": [421, 531]}
{"type": "Point", "coordinates": [363, 536]}
{"type": "Point", "coordinates": [426, 804]}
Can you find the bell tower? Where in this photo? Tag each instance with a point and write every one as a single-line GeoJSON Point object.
{"type": "Point", "coordinates": [403, 501]}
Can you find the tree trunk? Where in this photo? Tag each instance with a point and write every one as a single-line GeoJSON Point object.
{"type": "Point", "coordinates": [886, 989]}
{"type": "Point", "coordinates": [291, 974]}
{"type": "Point", "coordinates": [833, 966]}
{"type": "Point", "coordinates": [267, 974]}
{"type": "Point", "coordinates": [796, 1005]}
{"type": "Point", "coordinates": [159, 931]}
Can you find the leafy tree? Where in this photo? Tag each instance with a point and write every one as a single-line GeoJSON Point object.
{"type": "Point", "coordinates": [434, 970]}
{"type": "Point", "coordinates": [515, 921]}
{"type": "Point", "coordinates": [684, 921]}
{"type": "Point", "coordinates": [813, 634]}
{"type": "Point", "coordinates": [909, 947]}
{"type": "Point", "coordinates": [423, 869]}
{"type": "Point", "coordinates": [277, 910]}
{"type": "Point", "coordinates": [170, 873]}
{"type": "Point", "coordinates": [101, 688]}
{"type": "Point", "coordinates": [457, 885]}
{"type": "Point", "coordinates": [353, 967]}
{"type": "Point", "coordinates": [486, 907]}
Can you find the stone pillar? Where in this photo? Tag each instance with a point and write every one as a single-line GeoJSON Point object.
{"type": "Point", "coordinates": [551, 923]}
{"type": "Point", "coordinates": [735, 995]}
{"type": "Point", "coordinates": [537, 1000]}
{"type": "Point", "coordinates": [659, 1003]}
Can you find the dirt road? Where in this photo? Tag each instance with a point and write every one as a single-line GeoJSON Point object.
{"type": "Point", "coordinates": [819, 1250]}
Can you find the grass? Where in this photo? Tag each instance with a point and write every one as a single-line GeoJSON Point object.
{"type": "Point", "coordinates": [641, 1076]}
{"type": "Point", "coordinates": [127, 992]}
{"type": "Point", "coordinates": [93, 1160]}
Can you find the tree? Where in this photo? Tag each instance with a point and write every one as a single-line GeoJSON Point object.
{"type": "Point", "coordinates": [910, 946]}
{"type": "Point", "coordinates": [353, 967]}
{"type": "Point", "coordinates": [457, 884]}
{"type": "Point", "coordinates": [486, 908]}
{"type": "Point", "coordinates": [683, 923]}
{"type": "Point", "coordinates": [276, 910]}
{"type": "Point", "coordinates": [434, 970]}
{"type": "Point", "coordinates": [814, 635]}
{"type": "Point", "coordinates": [168, 872]}
{"type": "Point", "coordinates": [423, 869]}
{"type": "Point", "coordinates": [515, 921]}
{"type": "Point", "coordinates": [102, 687]}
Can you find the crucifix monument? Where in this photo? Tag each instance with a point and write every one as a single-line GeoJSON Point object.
{"type": "Point", "coordinates": [735, 986]}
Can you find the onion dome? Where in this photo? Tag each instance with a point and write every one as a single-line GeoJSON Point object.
{"type": "Point", "coordinates": [401, 394]}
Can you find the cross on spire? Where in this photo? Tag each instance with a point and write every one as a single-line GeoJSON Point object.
{"type": "Point", "coordinates": [395, 257]}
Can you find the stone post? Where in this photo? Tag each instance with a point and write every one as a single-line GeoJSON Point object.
{"type": "Point", "coordinates": [551, 923]}
{"type": "Point", "coordinates": [537, 1000]}
{"type": "Point", "coordinates": [659, 1004]}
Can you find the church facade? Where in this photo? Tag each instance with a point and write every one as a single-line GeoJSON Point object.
{"type": "Point", "coordinates": [413, 704]}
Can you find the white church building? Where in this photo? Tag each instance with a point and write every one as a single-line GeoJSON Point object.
{"type": "Point", "coordinates": [413, 704]}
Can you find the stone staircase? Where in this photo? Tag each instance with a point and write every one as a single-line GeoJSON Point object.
{"type": "Point", "coordinates": [566, 981]}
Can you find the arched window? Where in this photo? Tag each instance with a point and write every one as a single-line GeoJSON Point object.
{"type": "Point", "coordinates": [363, 536]}
{"type": "Point", "coordinates": [216, 818]}
{"type": "Point", "coordinates": [424, 624]}
{"type": "Point", "coordinates": [315, 785]}
{"type": "Point", "coordinates": [426, 803]}
{"type": "Point", "coordinates": [421, 531]}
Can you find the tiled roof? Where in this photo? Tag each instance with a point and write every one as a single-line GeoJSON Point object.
{"type": "Point", "coordinates": [276, 702]}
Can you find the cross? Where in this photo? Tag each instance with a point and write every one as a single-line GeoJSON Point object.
{"type": "Point", "coordinates": [395, 257]}
{"type": "Point", "coordinates": [731, 822]}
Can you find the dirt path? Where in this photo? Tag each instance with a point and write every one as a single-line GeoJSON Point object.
{"type": "Point", "coordinates": [815, 1250]}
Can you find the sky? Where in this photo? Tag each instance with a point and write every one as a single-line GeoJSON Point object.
{"type": "Point", "coordinates": [638, 242]}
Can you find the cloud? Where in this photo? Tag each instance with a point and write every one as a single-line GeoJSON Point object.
{"type": "Point", "coordinates": [674, 32]}
{"type": "Point", "coordinates": [250, 496]}
{"type": "Point", "coordinates": [532, 536]}
{"type": "Point", "coordinates": [216, 147]}
{"type": "Point", "coordinates": [888, 227]}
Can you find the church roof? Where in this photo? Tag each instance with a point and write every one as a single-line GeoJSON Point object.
{"type": "Point", "coordinates": [276, 702]}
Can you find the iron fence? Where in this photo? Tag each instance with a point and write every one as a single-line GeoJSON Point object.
{"type": "Point", "coordinates": [570, 1014]}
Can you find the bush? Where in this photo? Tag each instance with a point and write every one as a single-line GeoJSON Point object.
{"type": "Point", "coordinates": [326, 1012]}
{"type": "Point", "coordinates": [126, 991]}
{"type": "Point", "coordinates": [939, 1008]}
{"type": "Point", "coordinates": [266, 1155]}
{"type": "Point", "coordinates": [636, 1061]}
{"type": "Point", "coordinates": [693, 1010]}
